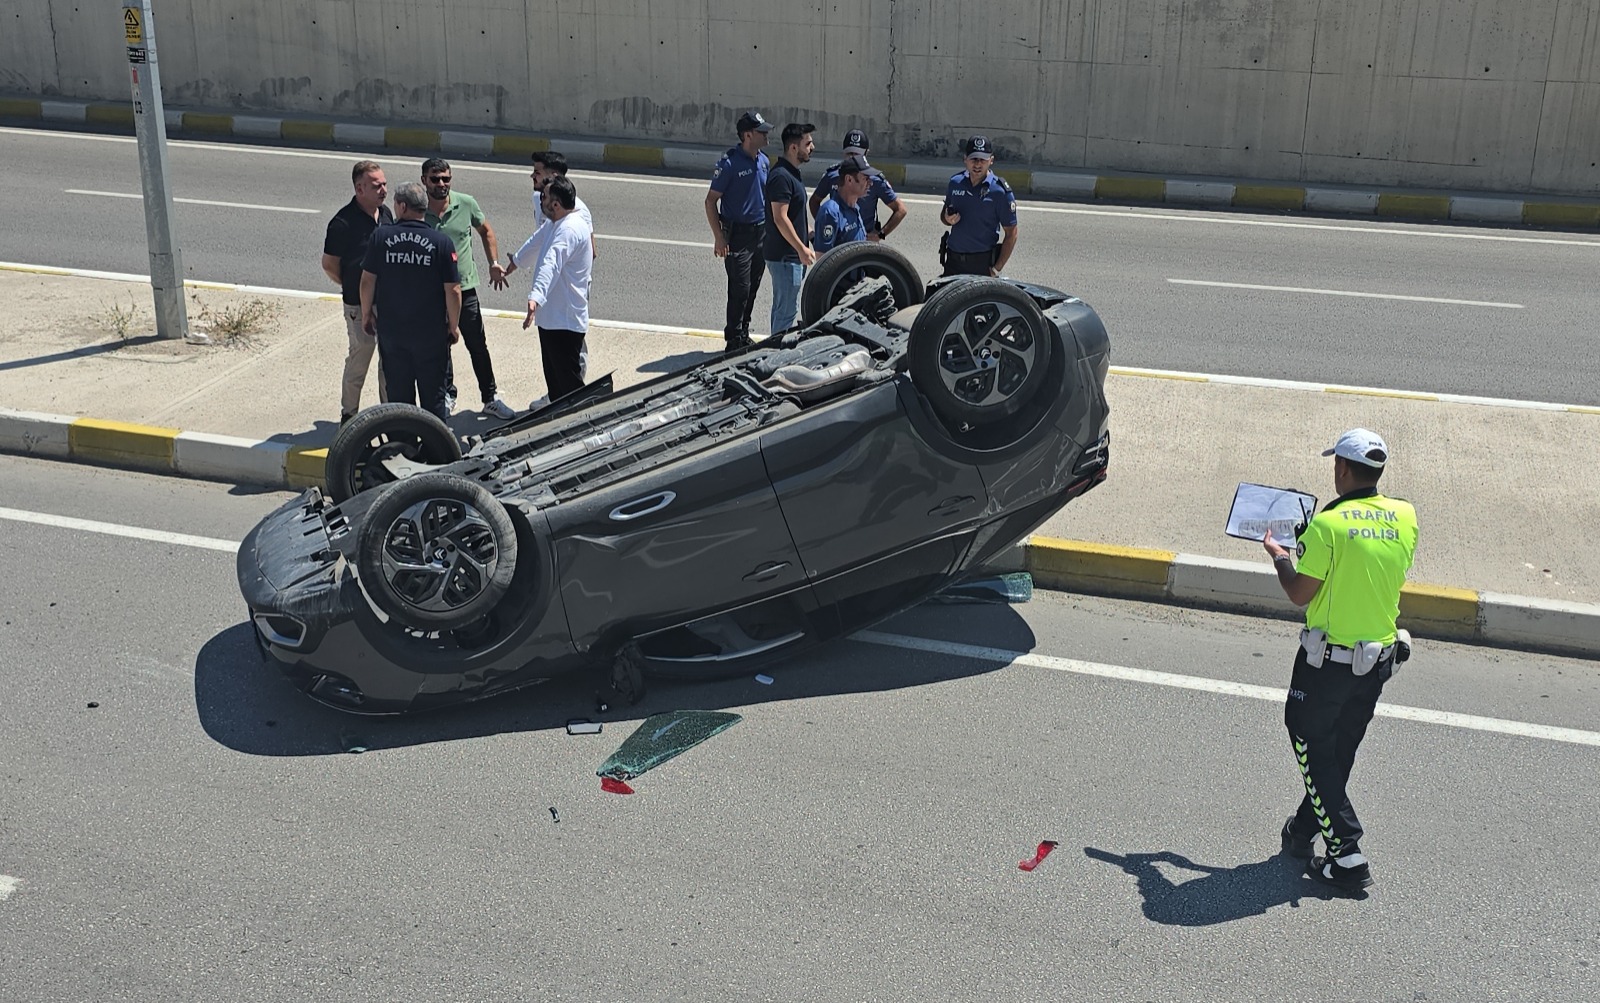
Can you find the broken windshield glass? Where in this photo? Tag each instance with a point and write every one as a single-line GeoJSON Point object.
{"type": "Point", "coordinates": [662, 736]}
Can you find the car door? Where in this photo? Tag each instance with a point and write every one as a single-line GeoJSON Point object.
{"type": "Point", "coordinates": [876, 514]}
{"type": "Point", "coordinates": [689, 538]}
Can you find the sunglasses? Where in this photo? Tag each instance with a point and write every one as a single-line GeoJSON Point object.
{"type": "Point", "coordinates": [439, 179]}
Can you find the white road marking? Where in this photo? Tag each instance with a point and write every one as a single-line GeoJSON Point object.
{"type": "Point", "coordinates": [8, 884]}
{"type": "Point", "coordinates": [1241, 218]}
{"type": "Point", "coordinates": [229, 205]}
{"type": "Point", "coordinates": [114, 529]}
{"type": "Point", "coordinates": [1120, 672]}
{"type": "Point", "coordinates": [1343, 292]}
{"type": "Point", "coordinates": [628, 325]}
{"type": "Point", "coordinates": [1273, 694]}
{"type": "Point", "coordinates": [654, 240]}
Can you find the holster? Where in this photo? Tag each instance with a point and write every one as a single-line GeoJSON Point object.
{"type": "Point", "coordinates": [944, 248]}
{"type": "Point", "coordinates": [1315, 644]}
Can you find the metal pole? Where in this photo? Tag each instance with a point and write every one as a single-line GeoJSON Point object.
{"type": "Point", "coordinates": [150, 124]}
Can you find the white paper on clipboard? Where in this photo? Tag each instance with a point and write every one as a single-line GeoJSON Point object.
{"type": "Point", "coordinates": [1258, 508]}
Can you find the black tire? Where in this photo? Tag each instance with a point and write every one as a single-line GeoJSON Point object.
{"type": "Point", "coordinates": [979, 351]}
{"type": "Point", "coordinates": [836, 271]}
{"type": "Point", "coordinates": [355, 460]}
{"type": "Point", "coordinates": [437, 551]}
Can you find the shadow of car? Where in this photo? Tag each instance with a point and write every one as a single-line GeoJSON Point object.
{"type": "Point", "coordinates": [701, 524]}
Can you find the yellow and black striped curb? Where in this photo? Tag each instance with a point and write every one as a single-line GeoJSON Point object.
{"type": "Point", "coordinates": [1099, 569]}
{"type": "Point", "coordinates": [1566, 213]}
{"type": "Point", "coordinates": [1437, 611]}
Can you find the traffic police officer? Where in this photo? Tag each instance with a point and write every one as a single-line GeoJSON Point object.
{"type": "Point", "coordinates": [981, 212]}
{"type": "Point", "coordinates": [1354, 556]}
{"type": "Point", "coordinates": [736, 208]}
{"type": "Point", "coordinates": [856, 144]}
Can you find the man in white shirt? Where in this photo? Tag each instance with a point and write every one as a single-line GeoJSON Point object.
{"type": "Point", "coordinates": [547, 166]}
{"type": "Point", "coordinates": [561, 256]}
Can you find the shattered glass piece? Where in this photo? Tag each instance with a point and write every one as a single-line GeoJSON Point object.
{"type": "Point", "coordinates": [352, 744]}
{"type": "Point", "coordinates": [1038, 856]}
{"type": "Point", "coordinates": [1012, 587]}
{"type": "Point", "coordinates": [612, 785]}
{"type": "Point", "coordinates": [662, 736]}
{"type": "Point", "coordinates": [764, 680]}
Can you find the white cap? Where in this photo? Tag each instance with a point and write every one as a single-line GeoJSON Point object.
{"type": "Point", "coordinates": [1361, 445]}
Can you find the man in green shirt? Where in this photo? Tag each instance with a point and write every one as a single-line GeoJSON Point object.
{"type": "Point", "coordinates": [1354, 556]}
{"type": "Point", "coordinates": [458, 214]}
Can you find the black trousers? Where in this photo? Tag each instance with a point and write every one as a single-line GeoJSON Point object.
{"type": "Point", "coordinates": [1327, 713]}
{"type": "Point", "coordinates": [976, 263]}
{"type": "Point", "coordinates": [745, 265]}
{"type": "Point", "coordinates": [414, 368]}
{"type": "Point", "coordinates": [477, 342]}
{"type": "Point", "coordinates": [559, 350]}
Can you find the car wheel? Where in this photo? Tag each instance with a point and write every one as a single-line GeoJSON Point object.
{"type": "Point", "coordinates": [832, 275]}
{"type": "Point", "coordinates": [355, 460]}
{"type": "Point", "coordinates": [979, 351]}
{"type": "Point", "coordinates": [437, 552]}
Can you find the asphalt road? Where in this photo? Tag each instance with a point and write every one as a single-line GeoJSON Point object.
{"type": "Point", "coordinates": [1490, 312]}
{"type": "Point", "coordinates": [201, 834]}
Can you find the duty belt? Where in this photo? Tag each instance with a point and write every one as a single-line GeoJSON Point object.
{"type": "Point", "coordinates": [1339, 653]}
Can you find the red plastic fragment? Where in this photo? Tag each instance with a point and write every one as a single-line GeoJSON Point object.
{"type": "Point", "coordinates": [614, 786]}
{"type": "Point", "coordinates": [1038, 857]}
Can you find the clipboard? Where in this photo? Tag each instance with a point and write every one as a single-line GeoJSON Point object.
{"type": "Point", "coordinates": [1258, 508]}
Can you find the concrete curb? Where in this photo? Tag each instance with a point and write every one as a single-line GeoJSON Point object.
{"type": "Point", "coordinates": [1204, 192]}
{"type": "Point", "coordinates": [1436, 611]}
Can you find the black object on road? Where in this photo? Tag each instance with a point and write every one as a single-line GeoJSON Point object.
{"type": "Point", "coordinates": [698, 526]}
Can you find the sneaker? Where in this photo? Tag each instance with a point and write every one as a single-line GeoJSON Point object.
{"type": "Point", "coordinates": [1340, 874]}
{"type": "Point", "coordinates": [539, 403]}
{"type": "Point", "coordinates": [499, 409]}
{"type": "Point", "coordinates": [1295, 844]}
{"type": "Point", "coordinates": [449, 403]}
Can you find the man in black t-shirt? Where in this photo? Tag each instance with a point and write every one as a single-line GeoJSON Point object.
{"type": "Point", "coordinates": [411, 301]}
{"type": "Point", "coordinates": [787, 242]}
{"type": "Point", "coordinates": [343, 250]}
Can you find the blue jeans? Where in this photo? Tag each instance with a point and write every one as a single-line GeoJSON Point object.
{"type": "Point", "coordinates": [786, 277]}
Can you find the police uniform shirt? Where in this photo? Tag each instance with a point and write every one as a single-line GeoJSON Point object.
{"type": "Point", "coordinates": [1361, 546]}
{"type": "Point", "coordinates": [742, 182]}
{"type": "Point", "coordinates": [413, 262]}
{"type": "Point", "coordinates": [879, 191]}
{"type": "Point", "coordinates": [785, 185]}
{"type": "Point", "coordinates": [348, 233]}
{"type": "Point", "coordinates": [837, 224]}
{"type": "Point", "coordinates": [984, 210]}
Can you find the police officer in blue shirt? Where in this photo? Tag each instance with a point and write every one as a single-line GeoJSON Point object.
{"type": "Point", "coordinates": [979, 207]}
{"type": "Point", "coordinates": [856, 144]}
{"type": "Point", "coordinates": [736, 208]}
{"type": "Point", "coordinates": [839, 220]}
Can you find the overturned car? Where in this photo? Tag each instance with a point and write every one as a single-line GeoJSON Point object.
{"type": "Point", "coordinates": [700, 524]}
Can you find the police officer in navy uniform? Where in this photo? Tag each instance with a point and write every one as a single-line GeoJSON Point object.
{"type": "Point", "coordinates": [981, 212]}
{"type": "Point", "coordinates": [856, 144]}
{"type": "Point", "coordinates": [1354, 556]}
{"type": "Point", "coordinates": [411, 301]}
{"type": "Point", "coordinates": [736, 208]}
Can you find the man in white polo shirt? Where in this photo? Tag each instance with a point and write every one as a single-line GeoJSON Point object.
{"type": "Point", "coordinates": [561, 256]}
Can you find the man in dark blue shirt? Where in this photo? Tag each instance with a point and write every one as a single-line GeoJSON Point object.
{"type": "Point", "coordinates": [411, 301]}
{"type": "Point", "coordinates": [736, 208]}
{"type": "Point", "coordinates": [857, 144]}
{"type": "Point", "coordinates": [978, 208]}
{"type": "Point", "coordinates": [788, 249]}
{"type": "Point", "coordinates": [839, 220]}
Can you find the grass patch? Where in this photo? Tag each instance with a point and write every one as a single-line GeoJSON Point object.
{"type": "Point", "coordinates": [121, 321]}
{"type": "Point", "coordinates": [239, 325]}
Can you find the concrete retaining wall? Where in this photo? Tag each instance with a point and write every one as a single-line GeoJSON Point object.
{"type": "Point", "coordinates": [1467, 94]}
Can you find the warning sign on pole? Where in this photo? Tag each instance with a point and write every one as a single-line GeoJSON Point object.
{"type": "Point", "coordinates": [132, 26]}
